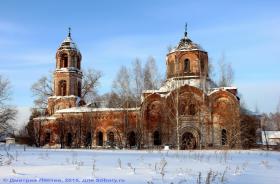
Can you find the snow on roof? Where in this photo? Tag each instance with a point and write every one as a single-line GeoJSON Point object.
{"type": "Point", "coordinates": [45, 118]}
{"type": "Point", "coordinates": [271, 137]}
{"type": "Point", "coordinates": [272, 134]}
{"type": "Point", "coordinates": [68, 69]}
{"type": "Point", "coordinates": [153, 91]}
{"type": "Point", "coordinates": [59, 97]}
{"type": "Point", "coordinates": [89, 109]}
{"type": "Point", "coordinates": [213, 90]}
{"type": "Point", "coordinates": [68, 44]}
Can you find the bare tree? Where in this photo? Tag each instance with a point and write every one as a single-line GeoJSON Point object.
{"type": "Point", "coordinates": [211, 69]}
{"type": "Point", "coordinates": [122, 87]}
{"type": "Point", "coordinates": [89, 85]}
{"type": "Point", "coordinates": [128, 86]}
{"type": "Point", "coordinates": [43, 88]}
{"type": "Point", "coordinates": [30, 127]}
{"type": "Point", "coordinates": [152, 78]}
{"type": "Point", "coordinates": [226, 73]}
{"type": "Point", "coordinates": [7, 112]}
{"type": "Point", "coordinates": [138, 80]}
{"type": "Point", "coordinates": [130, 82]}
{"type": "Point", "coordinates": [277, 115]}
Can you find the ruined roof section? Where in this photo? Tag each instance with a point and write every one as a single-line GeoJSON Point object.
{"type": "Point", "coordinates": [187, 44]}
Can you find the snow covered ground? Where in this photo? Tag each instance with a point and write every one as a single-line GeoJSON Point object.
{"type": "Point", "coordinates": [35, 165]}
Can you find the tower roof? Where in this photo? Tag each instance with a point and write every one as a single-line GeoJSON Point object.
{"type": "Point", "coordinates": [68, 43]}
{"type": "Point", "coordinates": [186, 44]}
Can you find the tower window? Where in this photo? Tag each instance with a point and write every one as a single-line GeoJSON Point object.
{"type": "Point", "coordinates": [187, 65]}
{"type": "Point", "coordinates": [78, 64]}
{"type": "Point", "coordinates": [202, 66]}
{"type": "Point", "coordinates": [171, 69]}
{"type": "Point", "coordinates": [79, 89]}
{"type": "Point", "coordinates": [64, 61]}
{"type": "Point", "coordinates": [62, 88]}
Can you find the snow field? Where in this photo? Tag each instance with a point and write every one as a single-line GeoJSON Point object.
{"type": "Point", "coordinates": [20, 164]}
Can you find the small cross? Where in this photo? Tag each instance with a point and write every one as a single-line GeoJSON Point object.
{"type": "Point", "coordinates": [186, 27]}
{"type": "Point", "coordinates": [69, 31]}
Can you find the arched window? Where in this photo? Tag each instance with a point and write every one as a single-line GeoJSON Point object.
{"type": "Point", "coordinates": [100, 139]}
{"type": "Point", "coordinates": [157, 139]}
{"type": "Point", "coordinates": [187, 65]}
{"type": "Point", "coordinates": [111, 138]}
{"type": "Point", "coordinates": [69, 140]}
{"type": "Point", "coordinates": [62, 88]}
{"type": "Point", "coordinates": [88, 139]}
{"type": "Point", "coordinates": [79, 89]}
{"type": "Point", "coordinates": [64, 61]}
{"type": "Point", "coordinates": [202, 66]}
{"type": "Point", "coordinates": [192, 109]}
{"type": "Point", "coordinates": [224, 137]}
{"type": "Point", "coordinates": [171, 68]}
{"type": "Point", "coordinates": [131, 139]}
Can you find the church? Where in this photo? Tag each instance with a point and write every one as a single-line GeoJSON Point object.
{"type": "Point", "coordinates": [187, 112]}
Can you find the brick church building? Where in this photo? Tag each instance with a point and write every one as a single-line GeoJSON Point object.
{"type": "Point", "coordinates": [188, 110]}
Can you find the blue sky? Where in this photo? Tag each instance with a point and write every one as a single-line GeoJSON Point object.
{"type": "Point", "coordinates": [113, 33]}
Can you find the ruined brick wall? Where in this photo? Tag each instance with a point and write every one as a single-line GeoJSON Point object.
{"type": "Point", "coordinates": [80, 125]}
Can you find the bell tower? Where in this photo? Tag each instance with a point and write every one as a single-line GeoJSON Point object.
{"type": "Point", "coordinates": [67, 78]}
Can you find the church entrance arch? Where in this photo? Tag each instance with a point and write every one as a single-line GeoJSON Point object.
{"type": "Point", "coordinates": [188, 141]}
